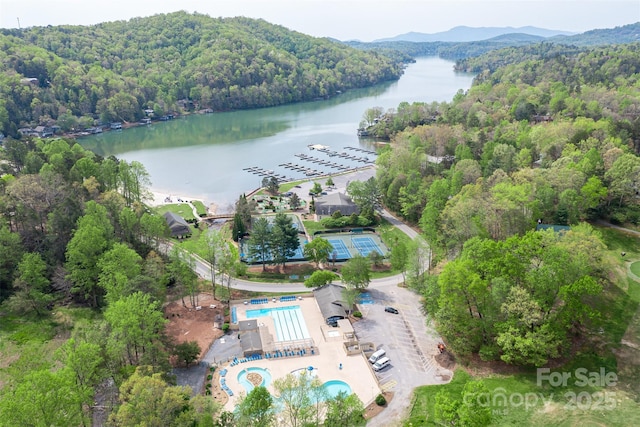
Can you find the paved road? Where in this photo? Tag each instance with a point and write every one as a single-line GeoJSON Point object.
{"type": "Point", "coordinates": [410, 342]}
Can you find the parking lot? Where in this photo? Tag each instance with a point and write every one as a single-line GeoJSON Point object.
{"type": "Point", "coordinates": [408, 341]}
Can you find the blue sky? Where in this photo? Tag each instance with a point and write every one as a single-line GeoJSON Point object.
{"type": "Point", "coordinates": [365, 20]}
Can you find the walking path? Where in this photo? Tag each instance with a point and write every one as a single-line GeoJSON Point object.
{"type": "Point", "coordinates": [387, 287]}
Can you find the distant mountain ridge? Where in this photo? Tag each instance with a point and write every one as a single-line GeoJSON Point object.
{"type": "Point", "coordinates": [469, 34]}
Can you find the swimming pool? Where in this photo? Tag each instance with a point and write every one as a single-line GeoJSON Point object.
{"type": "Point", "coordinates": [335, 387]}
{"type": "Point", "coordinates": [289, 322]}
{"type": "Point", "coordinates": [248, 385]}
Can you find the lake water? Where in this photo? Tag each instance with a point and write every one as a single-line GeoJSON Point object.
{"type": "Point", "coordinates": [205, 156]}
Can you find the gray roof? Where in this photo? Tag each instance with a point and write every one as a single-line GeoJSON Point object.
{"type": "Point", "coordinates": [327, 205]}
{"type": "Point", "coordinates": [329, 299]}
{"type": "Point", "coordinates": [177, 224]}
{"type": "Point", "coordinates": [251, 342]}
{"type": "Point", "coordinates": [248, 325]}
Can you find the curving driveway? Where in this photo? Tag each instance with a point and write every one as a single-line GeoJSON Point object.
{"type": "Point", "coordinates": [408, 337]}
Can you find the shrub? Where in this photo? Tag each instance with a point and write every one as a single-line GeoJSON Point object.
{"type": "Point", "coordinates": [489, 352]}
{"type": "Point", "coordinates": [380, 400]}
{"type": "Point", "coordinates": [209, 377]}
{"type": "Point", "coordinates": [225, 328]}
{"type": "Point", "coordinates": [212, 368]}
{"type": "Point", "coordinates": [357, 314]}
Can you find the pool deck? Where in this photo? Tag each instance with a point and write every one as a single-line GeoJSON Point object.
{"type": "Point", "coordinates": [356, 371]}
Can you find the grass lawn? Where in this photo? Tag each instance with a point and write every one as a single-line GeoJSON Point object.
{"type": "Point", "coordinates": [635, 268]}
{"type": "Point", "coordinates": [391, 235]}
{"type": "Point", "coordinates": [194, 244]}
{"type": "Point", "coordinates": [289, 185]}
{"type": "Point", "coordinates": [271, 276]}
{"type": "Point", "coordinates": [517, 400]}
{"type": "Point", "coordinates": [312, 227]}
{"type": "Point", "coordinates": [182, 209]}
{"type": "Point", "coordinates": [201, 209]}
{"type": "Point", "coordinates": [573, 404]}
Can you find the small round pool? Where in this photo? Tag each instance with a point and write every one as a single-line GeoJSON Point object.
{"type": "Point", "coordinates": [335, 387]}
{"type": "Point", "coordinates": [248, 385]}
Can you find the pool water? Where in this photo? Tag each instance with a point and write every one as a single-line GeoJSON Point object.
{"type": "Point", "coordinates": [288, 321]}
{"type": "Point", "coordinates": [335, 387]}
{"type": "Point", "coordinates": [248, 385]}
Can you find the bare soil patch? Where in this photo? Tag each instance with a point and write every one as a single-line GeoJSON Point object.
{"type": "Point", "coordinates": [217, 393]}
{"type": "Point", "coordinates": [191, 324]}
{"type": "Point", "coordinates": [374, 409]}
{"type": "Point", "coordinates": [446, 360]}
{"type": "Point", "coordinates": [255, 379]}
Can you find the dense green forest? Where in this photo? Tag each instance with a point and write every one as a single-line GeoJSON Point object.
{"type": "Point", "coordinates": [546, 134]}
{"type": "Point", "coordinates": [551, 136]}
{"type": "Point", "coordinates": [82, 282]}
{"type": "Point", "coordinates": [168, 63]}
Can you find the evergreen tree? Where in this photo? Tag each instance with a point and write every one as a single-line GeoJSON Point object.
{"type": "Point", "coordinates": [260, 242]}
{"type": "Point", "coordinates": [284, 239]}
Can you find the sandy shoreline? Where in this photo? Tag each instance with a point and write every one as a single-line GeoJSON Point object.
{"type": "Point", "coordinates": [341, 181]}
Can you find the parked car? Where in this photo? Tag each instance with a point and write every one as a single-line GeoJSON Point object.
{"type": "Point", "coordinates": [391, 310]}
{"type": "Point", "coordinates": [377, 355]}
{"type": "Point", "coordinates": [381, 364]}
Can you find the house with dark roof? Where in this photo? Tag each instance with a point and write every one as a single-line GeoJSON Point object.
{"type": "Point", "coordinates": [331, 303]}
{"type": "Point", "coordinates": [44, 131]}
{"type": "Point", "coordinates": [177, 225]}
{"type": "Point", "coordinates": [250, 339]}
{"type": "Point", "coordinates": [329, 204]}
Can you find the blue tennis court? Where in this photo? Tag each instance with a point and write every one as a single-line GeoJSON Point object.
{"type": "Point", "coordinates": [340, 249]}
{"type": "Point", "coordinates": [365, 245]}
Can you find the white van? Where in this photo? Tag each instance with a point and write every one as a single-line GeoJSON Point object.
{"type": "Point", "coordinates": [377, 355]}
{"type": "Point", "coordinates": [381, 364]}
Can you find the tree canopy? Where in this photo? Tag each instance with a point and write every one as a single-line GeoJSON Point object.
{"type": "Point", "coordinates": [170, 63]}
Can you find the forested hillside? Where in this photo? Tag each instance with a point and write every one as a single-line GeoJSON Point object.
{"type": "Point", "coordinates": [83, 279]}
{"type": "Point", "coordinates": [461, 50]}
{"type": "Point", "coordinates": [113, 71]}
{"type": "Point", "coordinates": [551, 136]}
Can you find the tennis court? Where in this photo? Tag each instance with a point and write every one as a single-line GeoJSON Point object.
{"type": "Point", "coordinates": [340, 250]}
{"type": "Point", "coordinates": [365, 245]}
{"type": "Point", "coordinates": [346, 245]}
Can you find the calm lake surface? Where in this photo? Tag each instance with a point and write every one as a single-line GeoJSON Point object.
{"type": "Point", "coordinates": [205, 156]}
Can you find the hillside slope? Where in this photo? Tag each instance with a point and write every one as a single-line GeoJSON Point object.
{"type": "Point", "coordinates": [470, 34]}
{"type": "Point", "coordinates": [113, 71]}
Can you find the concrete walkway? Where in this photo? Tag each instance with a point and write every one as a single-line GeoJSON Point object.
{"type": "Point", "coordinates": [415, 365]}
